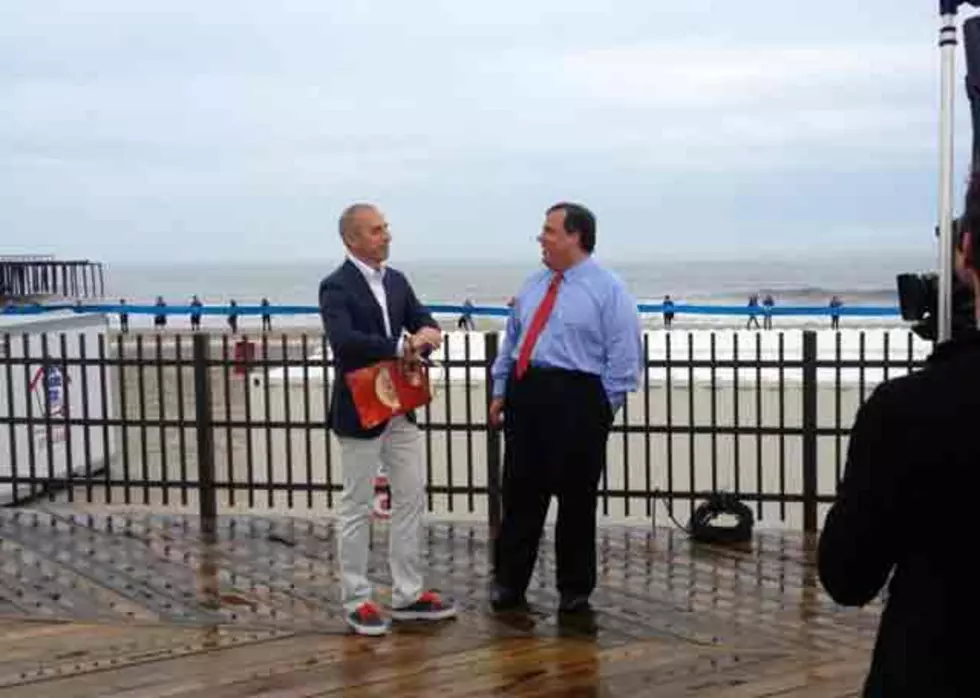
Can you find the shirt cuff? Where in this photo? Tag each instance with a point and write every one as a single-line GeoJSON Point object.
{"type": "Point", "coordinates": [400, 347]}
{"type": "Point", "coordinates": [499, 387]}
{"type": "Point", "coordinates": [616, 401]}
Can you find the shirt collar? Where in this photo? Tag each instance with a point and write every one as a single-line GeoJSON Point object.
{"type": "Point", "coordinates": [369, 272]}
{"type": "Point", "coordinates": [578, 268]}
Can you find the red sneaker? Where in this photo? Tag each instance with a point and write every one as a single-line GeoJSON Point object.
{"type": "Point", "coordinates": [366, 619]}
{"type": "Point", "coordinates": [429, 606]}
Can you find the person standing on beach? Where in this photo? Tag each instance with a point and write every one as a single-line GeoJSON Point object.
{"type": "Point", "coordinates": [753, 310]}
{"type": "Point", "coordinates": [668, 309]}
{"type": "Point", "coordinates": [465, 321]}
{"type": "Point", "coordinates": [160, 318]}
{"type": "Point", "coordinates": [571, 352]}
{"type": "Point", "coordinates": [904, 515]}
{"type": "Point", "coordinates": [835, 306]}
{"type": "Point", "coordinates": [767, 305]}
{"type": "Point", "coordinates": [266, 316]}
{"type": "Point", "coordinates": [233, 316]}
{"type": "Point", "coordinates": [370, 313]}
{"type": "Point", "coordinates": [123, 316]}
{"type": "Point", "coordinates": [195, 313]}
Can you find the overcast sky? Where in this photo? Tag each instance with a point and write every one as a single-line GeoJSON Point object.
{"type": "Point", "coordinates": [238, 129]}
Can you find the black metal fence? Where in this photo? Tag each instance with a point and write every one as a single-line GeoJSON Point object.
{"type": "Point", "coordinates": [219, 424]}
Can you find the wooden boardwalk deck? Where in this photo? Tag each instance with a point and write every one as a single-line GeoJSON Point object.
{"type": "Point", "coordinates": [93, 604]}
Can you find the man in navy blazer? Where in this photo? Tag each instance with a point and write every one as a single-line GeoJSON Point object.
{"type": "Point", "coordinates": [370, 313]}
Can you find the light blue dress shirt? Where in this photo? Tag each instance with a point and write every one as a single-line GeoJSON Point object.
{"type": "Point", "coordinates": [594, 328]}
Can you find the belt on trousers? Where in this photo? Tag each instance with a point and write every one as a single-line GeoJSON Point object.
{"type": "Point", "coordinates": [538, 370]}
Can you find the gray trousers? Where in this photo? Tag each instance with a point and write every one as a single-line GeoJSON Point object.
{"type": "Point", "coordinates": [398, 451]}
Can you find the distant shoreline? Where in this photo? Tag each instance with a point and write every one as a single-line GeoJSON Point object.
{"type": "Point", "coordinates": [252, 326]}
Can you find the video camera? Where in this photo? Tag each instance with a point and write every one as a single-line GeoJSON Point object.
{"type": "Point", "coordinates": [918, 298]}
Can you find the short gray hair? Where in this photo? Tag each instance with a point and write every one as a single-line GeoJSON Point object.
{"type": "Point", "coordinates": [346, 222]}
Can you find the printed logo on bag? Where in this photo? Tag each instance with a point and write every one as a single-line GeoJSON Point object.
{"type": "Point", "coordinates": [384, 386]}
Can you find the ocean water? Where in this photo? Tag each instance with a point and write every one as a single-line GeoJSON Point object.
{"type": "Point", "coordinates": [858, 279]}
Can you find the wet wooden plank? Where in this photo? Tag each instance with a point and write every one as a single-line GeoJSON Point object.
{"type": "Point", "coordinates": [69, 652]}
{"type": "Point", "coordinates": [145, 605]}
{"type": "Point", "coordinates": [401, 665]}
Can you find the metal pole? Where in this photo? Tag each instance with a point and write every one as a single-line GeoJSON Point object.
{"type": "Point", "coordinates": [204, 421]}
{"type": "Point", "coordinates": [494, 504]}
{"type": "Point", "coordinates": [810, 424]}
{"type": "Point", "coordinates": [947, 48]}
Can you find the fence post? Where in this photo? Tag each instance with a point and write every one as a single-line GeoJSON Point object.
{"type": "Point", "coordinates": [810, 391]}
{"type": "Point", "coordinates": [490, 343]}
{"type": "Point", "coordinates": [205, 434]}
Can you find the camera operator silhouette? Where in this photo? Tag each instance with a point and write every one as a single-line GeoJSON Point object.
{"type": "Point", "coordinates": [912, 448]}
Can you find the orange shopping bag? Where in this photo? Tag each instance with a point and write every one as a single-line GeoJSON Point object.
{"type": "Point", "coordinates": [387, 389]}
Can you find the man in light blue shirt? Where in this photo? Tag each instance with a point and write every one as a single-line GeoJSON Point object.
{"type": "Point", "coordinates": [571, 352]}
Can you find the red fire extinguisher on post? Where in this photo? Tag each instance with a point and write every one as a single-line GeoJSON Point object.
{"type": "Point", "coordinates": [244, 355]}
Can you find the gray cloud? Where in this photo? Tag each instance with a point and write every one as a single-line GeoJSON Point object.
{"type": "Point", "coordinates": [240, 129]}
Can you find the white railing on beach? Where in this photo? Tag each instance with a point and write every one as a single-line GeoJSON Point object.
{"type": "Point", "coordinates": [897, 346]}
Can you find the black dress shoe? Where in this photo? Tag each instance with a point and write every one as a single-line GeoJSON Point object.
{"type": "Point", "coordinates": [579, 622]}
{"type": "Point", "coordinates": [502, 599]}
{"type": "Point", "coordinates": [574, 604]}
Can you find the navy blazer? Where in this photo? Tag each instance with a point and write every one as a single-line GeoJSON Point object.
{"type": "Point", "coordinates": [355, 328]}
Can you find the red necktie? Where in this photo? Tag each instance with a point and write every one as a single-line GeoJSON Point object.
{"type": "Point", "coordinates": [538, 322]}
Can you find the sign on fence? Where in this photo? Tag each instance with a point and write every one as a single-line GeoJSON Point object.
{"type": "Point", "coordinates": [51, 399]}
